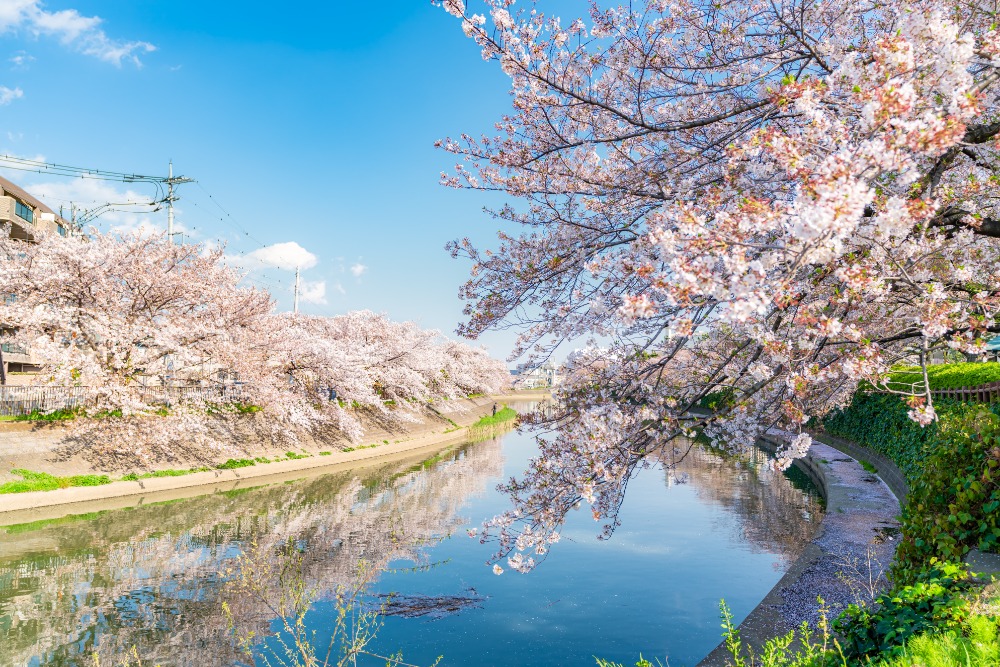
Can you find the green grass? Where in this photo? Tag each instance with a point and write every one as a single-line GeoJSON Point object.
{"type": "Point", "coordinates": [293, 456]}
{"type": "Point", "coordinates": [169, 472]}
{"type": "Point", "coordinates": [947, 376]}
{"type": "Point", "coordinates": [43, 481]}
{"type": "Point", "coordinates": [325, 453]}
{"type": "Point", "coordinates": [232, 464]}
{"type": "Point", "coordinates": [37, 416]}
{"type": "Point", "coordinates": [502, 416]}
{"type": "Point", "coordinates": [868, 466]}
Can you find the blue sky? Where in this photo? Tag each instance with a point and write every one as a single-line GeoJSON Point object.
{"type": "Point", "coordinates": [308, 122]}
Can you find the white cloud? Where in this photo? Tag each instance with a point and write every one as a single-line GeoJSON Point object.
{"type": "Point", "coordinates": [288, 256]}
{"type": "Point", "coordinates": [21, 60]}
{"type": "Point", "coordinates": [81, 33]}
{"type": "Point", "coordinates": [313, 292]}
{"type": "Point", "coordinates": [339, 289]}
{"type": "Point", "coordinates": [358, 269]}
{"type": "Point", "coordinates": [8, 95]}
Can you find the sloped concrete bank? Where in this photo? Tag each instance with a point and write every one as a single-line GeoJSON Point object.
{"type": "Point", "coordinates": [21, 447]}
{"type": "Point", "coordinates": [985, 564]}
{"type": "Point", "coordinates": [856, 538]}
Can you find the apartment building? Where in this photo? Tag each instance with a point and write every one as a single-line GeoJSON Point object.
{"type": "Point", "coordinates": [527, 376]}
{"type": "Point", "coordinates": [28, 217]}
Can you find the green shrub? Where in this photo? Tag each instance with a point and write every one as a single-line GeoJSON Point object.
{"type": "Point", "coordinates": [934, 601]}
{"type": "Point", "coordinates": [954, 504]}
{"type": "Point", "coordinates": [54, 416]}
{"type": "Point", "coordinates": [951, 467]}
{"type": "Point", "coordinates": [879, 422]}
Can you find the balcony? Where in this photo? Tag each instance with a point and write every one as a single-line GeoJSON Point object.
{"type": "Point", "coordinates": [19, 227]}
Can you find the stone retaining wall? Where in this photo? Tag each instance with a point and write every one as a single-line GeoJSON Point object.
{"type": "Point", "coordinates": [887, 470]}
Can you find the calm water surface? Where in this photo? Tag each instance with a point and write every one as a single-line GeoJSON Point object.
{"type": "Point", "coordinates": [150, 577]}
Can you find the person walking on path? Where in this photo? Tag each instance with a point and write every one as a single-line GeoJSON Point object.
{"type": "Point", "coordinates": [494, 409]}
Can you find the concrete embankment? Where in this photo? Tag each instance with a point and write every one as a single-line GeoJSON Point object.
{"type": "Point", "coordinates": [856, 537]}
{"type": "Point", "coordinates": [37, 447]}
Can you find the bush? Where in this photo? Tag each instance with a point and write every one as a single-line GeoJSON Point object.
{"type": "Point", "coordinates": [953, 505]}
{"type": "Point", "coordinates": [935, 601]}
{"type": "Point", "coordinates": [879, 422]}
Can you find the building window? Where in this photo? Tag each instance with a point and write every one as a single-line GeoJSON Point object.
{"type": "Point", "coordinates": [62, 230]}
{"type": "Point", "coordinates": [24, 212]}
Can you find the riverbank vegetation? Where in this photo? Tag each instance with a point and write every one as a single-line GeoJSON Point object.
{"type": "Point", "coordinates": [505, 414]}
{"type": "Point", "coordinates": [952, 468]}
{"type": "Point", "coordinates": [43, 481]}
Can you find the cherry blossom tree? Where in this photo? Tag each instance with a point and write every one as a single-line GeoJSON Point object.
{"type": "Point", "coordinates": [775, 200]}
{"type": "Point", "coordinates": [135, 323]}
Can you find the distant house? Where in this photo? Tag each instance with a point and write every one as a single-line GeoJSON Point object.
{"type": "Point", "coordinates": [526, 376]}
{"type": "Point", "coordinates": [26, 215]}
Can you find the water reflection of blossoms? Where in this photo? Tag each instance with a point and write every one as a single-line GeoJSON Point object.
{"type": "Point", "coordinates": [152, 577]}
{"type": "Point", "coordinates": [777, 516]}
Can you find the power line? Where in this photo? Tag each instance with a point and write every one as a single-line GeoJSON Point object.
{"type": "Point", "coordinates": [38, 166]}
{"type": "Point", "coordinates": [231, 218]}
{"type": "Point", "coordinates": [56, 169]}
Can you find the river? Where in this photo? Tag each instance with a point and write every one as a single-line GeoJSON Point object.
{"type": "Point", "coordinates": [152, 577]}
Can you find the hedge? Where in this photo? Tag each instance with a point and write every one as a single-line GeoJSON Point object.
{"type": "Point", "coordinates": [952, 470]}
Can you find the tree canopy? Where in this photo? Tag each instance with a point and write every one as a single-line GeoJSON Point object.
{"type": "Point", "coordinates": [774, 200]}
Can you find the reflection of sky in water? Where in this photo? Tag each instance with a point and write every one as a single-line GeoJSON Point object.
{"type": "Point", "coordinates": [149, 577]}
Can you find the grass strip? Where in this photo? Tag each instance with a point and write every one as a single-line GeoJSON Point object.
{"type": "Point", "coordinates": [43, 481]}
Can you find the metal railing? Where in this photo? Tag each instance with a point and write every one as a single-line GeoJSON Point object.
{"type": "Point", "coordinates": [983, 393]}
{"type": "Point", "coordinates": [23, 400]}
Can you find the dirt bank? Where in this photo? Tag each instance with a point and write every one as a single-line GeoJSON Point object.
{"type": "Point", "coordinates": [43, 448]}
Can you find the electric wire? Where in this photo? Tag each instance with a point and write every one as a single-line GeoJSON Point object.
{"type": "Point", "coordinates": [16, 163]}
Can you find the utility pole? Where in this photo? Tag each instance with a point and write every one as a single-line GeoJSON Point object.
{"type": "Point", "coordinates": [171, 182]}
{"type": "Point", "coordinates": [295, 303]}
